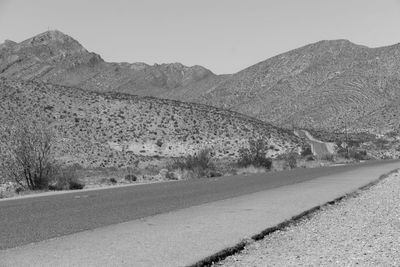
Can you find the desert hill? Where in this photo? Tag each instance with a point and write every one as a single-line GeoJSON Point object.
{"type": "Point", "coordinates": [54, 57]}
{"type": "Point", "coordinates": [114, 129]}
{"type": "Point", "coordinates": [322, 86]}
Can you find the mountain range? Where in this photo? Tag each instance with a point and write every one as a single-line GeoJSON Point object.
{"type": "Point", "coordinates": [54, 57]}
{"type": "Point", "coordinates": [328, 85]}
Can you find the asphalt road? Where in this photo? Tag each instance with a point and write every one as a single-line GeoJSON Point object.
{"type": "Point", "coordinates": [28, 220]}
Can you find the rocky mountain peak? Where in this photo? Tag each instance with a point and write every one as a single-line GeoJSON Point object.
{"type": "Point", "coordinates": [54, 41]}
{"type": "Point", "coordinates": [49, 36]}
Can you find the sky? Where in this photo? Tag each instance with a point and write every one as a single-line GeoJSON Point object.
{"type": "Point", "coordinates": [224, 36]}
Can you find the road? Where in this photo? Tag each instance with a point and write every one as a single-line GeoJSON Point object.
{"type": "Point", "coordinates": [28, 220]}
{"type": "Point", "coordinates": [318, 148]}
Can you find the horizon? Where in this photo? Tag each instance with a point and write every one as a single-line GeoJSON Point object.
{"type": "Point", "coordinates": [180, 31]}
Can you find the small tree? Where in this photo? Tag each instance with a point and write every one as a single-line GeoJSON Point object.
{"type": "Point", "coordinates": [28, 155]}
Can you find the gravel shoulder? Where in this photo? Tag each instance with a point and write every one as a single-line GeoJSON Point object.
{"type": "Point", "coordinates": [362, 230]}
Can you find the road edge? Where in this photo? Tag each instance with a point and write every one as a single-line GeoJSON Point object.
{"type": "Point", "coordinates": [221, 255]}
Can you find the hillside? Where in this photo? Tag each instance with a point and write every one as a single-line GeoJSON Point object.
{"type": "Point", "coordinates": [54, 57]}
{"type": "Point", "coordinates": [109, 129]}
{"type": "Point", "coordinates": [322, 85]}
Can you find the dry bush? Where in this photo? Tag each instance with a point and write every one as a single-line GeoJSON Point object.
{"type": "Point", "coordinates": [255, 155]}
{"type": "Point", "coordinates": [27, 156]}
{"type": "Point", "coordinates": [328, 157]}
{"type": "Point", "coordinates": [197, 165]}
{"type": "Point", "coordinates": [306, 151]}
{"type": "Point", "coordinates": [66, 178]}
{"type": "Point", "coordinates": [286, 161]}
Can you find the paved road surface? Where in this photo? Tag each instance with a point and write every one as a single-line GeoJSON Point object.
{"type": "Point", "coordinates": [24, 221]}
{"type": "Point", "coordinates": [185, 236]}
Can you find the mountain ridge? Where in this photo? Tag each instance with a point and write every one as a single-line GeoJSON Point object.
{"type": "Point", "coordinates": [297, 88]}
{"type": "Point", "coordinates": [55, 57]}
{"type": "Point", "coordinates": [316, 86]}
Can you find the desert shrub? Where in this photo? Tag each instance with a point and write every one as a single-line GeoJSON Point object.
{"type": "Point", "coordinates": [18, 190]}
{"type": "Point", "coordinates": [76, 185]}
{"type": "Point", "coordinates": [328, 157]}
{"type": "Point", "coordinates": [113, 180]}
{"type": "Point", "coordinates": [159, 143]}
{"type": "Point", "coordinates": [291, 159]}
{"type": "Point", "coordinates": [358, 154]}
{"type": "Point", "coordinates": [306, 151]}
{"type": "Point", "coordinates": [353, 154]}
{"type": "Point", "coordinates": [65, 178]}
{"type": "Point", "coordinates": [171, 175]}
{"type": "Point", "coordinates": [215, 173]}
{"type": "Point", "coordinates": [28, 158]}
{"type": "Point", "coordinates": [255, 155]}
{"type": "Point", "coordinates": [310, 158]}
{"type": "Point", "coordinates": [199, 163]}
{"type": "Point", "coordinates": [130, 177]}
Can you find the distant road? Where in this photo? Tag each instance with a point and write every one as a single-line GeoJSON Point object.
{"type": "Point", "coordinates": [318, 148]}
{"type": "Point", "coordinates": [28, 220]}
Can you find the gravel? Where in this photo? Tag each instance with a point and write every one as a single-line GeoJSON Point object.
{"type": "Point", "coordinates": [362, 230]}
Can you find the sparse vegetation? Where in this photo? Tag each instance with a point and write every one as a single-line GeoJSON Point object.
{"type": "Point", "coordinates": [66, 178]}
{"type": "Point", "coordinates": [291, 159]}
{"type": "Point", "coordinates": [255, 154]}
{"type": "Point", "coordinates": [144, 133]}
{"type": "Point", "coordinates": [353, 153]}
{"type": "Point", "coordinates": [130, 178]}
{"type": "Point", "coordinates": [198, 164]}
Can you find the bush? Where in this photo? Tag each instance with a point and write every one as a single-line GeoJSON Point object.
{"type": "Point", "coordinates": [76, 185]}
{"type": "Point", "coordinates": [306, 151]}
{"type": "Point", "coordinates": [66, 178]}
{"type": "Point", "coordinates": [28, 156]}
{"type": "Point", "coordinates": [200, 163]}
{"type": "Point", "coordinates": [171, 176]}
{"type": "Point", "coordinates": [291, 159]}
{"type": "Point", "coordinates": [310, 158]}
{"type": "Point", "coordinates": [328, 157]}
{"type": "Point", "coordinates": [354, 154]}
{"type": "Point", "coordinates": [215, 174]}
{"type": "Point", "coordinates": [255, 155]}
{"type": "Point", "coordinates": [359, 155]}
{"type": "Point", "coordinates": [130, 177]}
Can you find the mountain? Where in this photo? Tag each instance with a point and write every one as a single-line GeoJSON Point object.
{"type": "Point", "coordinates": [114, 130]}
{"type": "Point", "coordinates": [328, 85]}
{"type": "Point", "coordinates": [324, 85]}
{"type": "Point", "coordinates": [54, 57]}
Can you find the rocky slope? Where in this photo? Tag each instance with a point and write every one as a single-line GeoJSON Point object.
{"type": "Point", "coordinates": [110, 129]}
{"type": "Point", "coordinates": [321, 85]}
{"type": "Point", "coordinates": [54, 57]}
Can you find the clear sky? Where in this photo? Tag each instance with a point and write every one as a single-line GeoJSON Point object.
{"type": "Point", "coordinates": [222, 35]}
